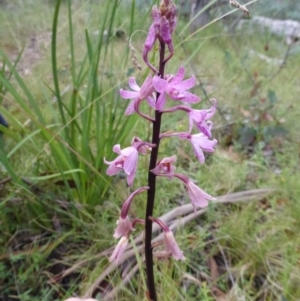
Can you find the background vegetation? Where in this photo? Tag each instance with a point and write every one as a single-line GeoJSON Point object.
{"type": "Point", "coordinates": [62, 64]}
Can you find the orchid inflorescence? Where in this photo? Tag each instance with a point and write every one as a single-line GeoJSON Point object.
{"type": "Point", "coordinates": [156, 90]}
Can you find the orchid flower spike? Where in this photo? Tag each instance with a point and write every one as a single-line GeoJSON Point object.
{"type": "Point", "coordinates": [164, 23]}
{"type": "Point", "coordinates": [169, 239]}
{"type": "Point", "coordinates": [165, 167]}
{"type": "Point", "coordinates": [138, 94]}
{"type": "Point", "coordinates": [198, 197]}
{"type": "Point", "coordinates": [175, 87]}
{"type": "Point", "coordinates": [124, 225]}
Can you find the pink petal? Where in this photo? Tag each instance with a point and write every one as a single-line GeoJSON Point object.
{"type": "Point", "coordinates": [170, 47]}
{"type": "Point", "coordinates": [190, 98]}
{"type": "Point", "coordinates": [199, 153]}
{"type": "Point", "coordinates": [159, 84]}
{"type": "Point", "coordinates": [178, 77]}
{"type": "Point", "coordinates": [174, 93]}
{"type": "Point", "coordinates": [127, 151]}
{"type": "Point", "coordinates": [151, 38]}
{"type": "Point", "coordinates": [142, 149]}
{"type": "Point", "coordinates": [161, 101]}
{"type": "Point", "coordinates": [156, 170]}
{"type": "Point", "coordinates": [119, 250]}
{"type": "Point", "coordinates": [210, 112]}
{"type": "Point", "coordinates": [204, 128]}
{"type": "Point", "coordinates": [133, 85]}
{"type": "Point", "coordinates": [128, 94]}
{"type": "Point", "coordinates": [147, 88]}
{"type": "Point", "coordinates": [172, 246]}
{"type": "Point", "coordinates": [151, 101]}
{"type": "Point", "coordinates": [117, 149]}
{"type": "Point", "coordinates": [165, 30]}
{"type": "Point", "coordinates": [131, 176]}
{"type": "Point", "coordinates": [130, 161]}
{"type": "Point", "coordinates": [186, 84]}
{"type": "Point", "coordinates": [198, 115]}
{"type": "Point", "coordinates": [113, 169]}
{"type": "Point", "coordinates": [165, 166]}
{"type": "Point", "coordinates": [130, 109]}
{"type": "Point", "coordinates": [172, 17]}
{"type": "Point", "coordinates": [191, 123]}
{"type": "Point", "coordinates": [124, 227]}
{"type": "Point", "coordinates": [198, 197]}
{"type": "Point", "coordinates": [155, 13]}
{"type": "Point", "coordinates": [203, 141]}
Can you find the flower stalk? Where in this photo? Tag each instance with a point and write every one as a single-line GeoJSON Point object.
{"type": "Point", "coordinates": [152, 186]}
{"type": "Point", "coordinates": [157, 90]}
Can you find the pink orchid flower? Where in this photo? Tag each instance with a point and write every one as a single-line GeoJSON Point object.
{"type": "Point", "coordinates": [127, 160]}
{"type": "Point", "coordinates": [175, 87]}
{"type": "Point", "coordinates": [200, 143]}
{"type": "Point", "coordinates": [197, 117]}
{"type": "Point", "coordinates": [165, 167]}
{"type": "Point", "coordinates": [169, 240]}
{"type": "Point", "coordinates": [198, 197]}
{"type": "Point", "coordinates": [124, 225]}
{"type": "Point", "coordinates": [138, 94]}
{"type": "Point", "coordinates": [172, 246]}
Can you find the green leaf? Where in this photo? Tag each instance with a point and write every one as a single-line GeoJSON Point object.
{"type": "Point", "coordinates": [272, 97]}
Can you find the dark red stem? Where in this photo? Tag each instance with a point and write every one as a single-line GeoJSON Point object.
{"type": "Point", "coordinates": [151, 191]}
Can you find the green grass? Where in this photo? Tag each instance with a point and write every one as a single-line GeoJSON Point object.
{"type": "Point", "coordinates": [65, 115]}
